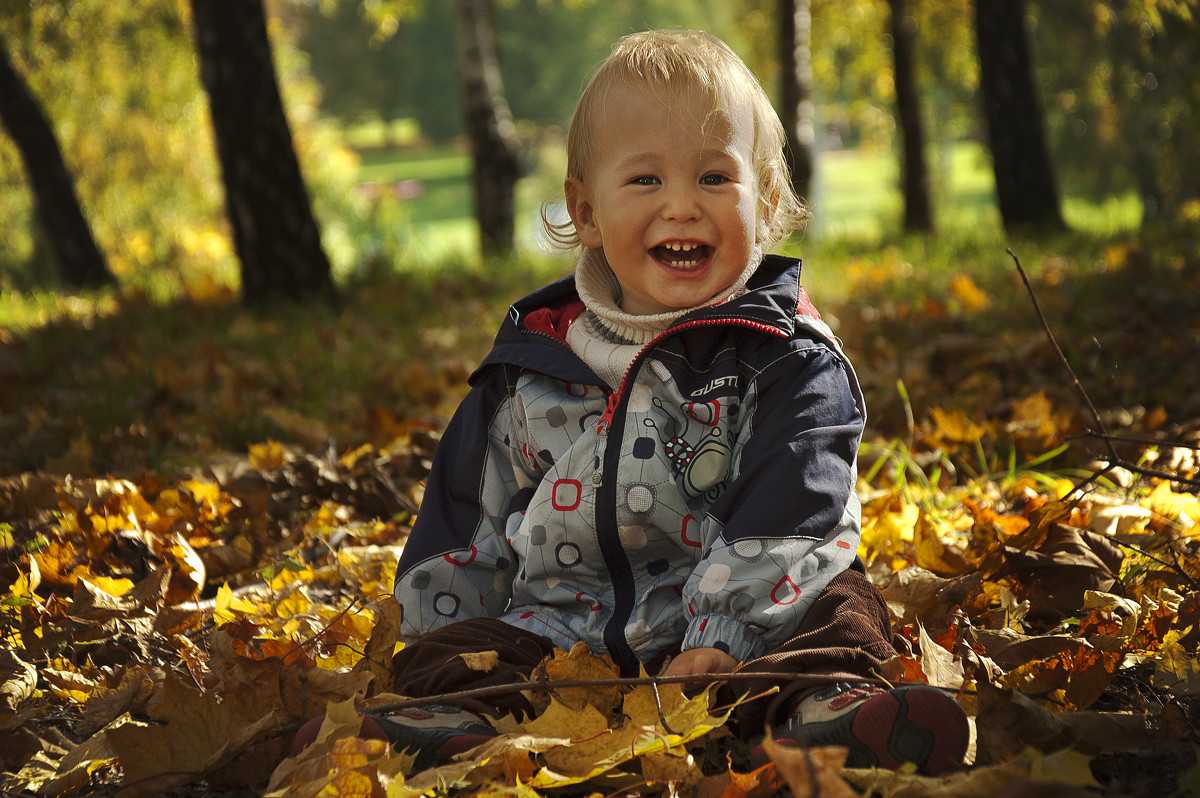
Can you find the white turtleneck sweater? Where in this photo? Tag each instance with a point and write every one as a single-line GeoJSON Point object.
{"type": "Point", "coordinates": [606, 337]}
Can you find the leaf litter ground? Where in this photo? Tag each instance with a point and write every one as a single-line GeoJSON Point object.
{"type": "Point", "coordinates": [171, 611]}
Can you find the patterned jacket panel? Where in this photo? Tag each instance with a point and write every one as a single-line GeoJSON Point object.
{"type": "Point", "coordinates": [706, 503]}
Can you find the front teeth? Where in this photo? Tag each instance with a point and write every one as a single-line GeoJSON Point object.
{"type": "Point", "coordinates": [692, 254]}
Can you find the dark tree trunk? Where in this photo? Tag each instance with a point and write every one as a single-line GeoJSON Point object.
{"type": "Point", "coordinates": [56, 206]}
{"type": "Point", "coordinates": [797, 110]}
{"type": "Point", "coordinates": [1025, 183]}
{"type": "Point", "coordinates": [914, 171]}
{"type": "Point", "coordinates": [495, 148]}
{"type": "Point", "coordinates": [274, 231]}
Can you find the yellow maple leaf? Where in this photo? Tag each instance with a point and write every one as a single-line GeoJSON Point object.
{"type": "Point", "coordinates": [229, 608]}
{"type": "Point", "coordinates": [113, 587]}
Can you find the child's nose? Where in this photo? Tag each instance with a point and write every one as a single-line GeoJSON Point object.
{"type": "Point", "coordinates": [681, 204]}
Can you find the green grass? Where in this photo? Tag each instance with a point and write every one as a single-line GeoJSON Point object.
{"type": "Point", "coordinates": [856, 198]}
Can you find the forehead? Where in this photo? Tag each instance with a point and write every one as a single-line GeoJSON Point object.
{"type": "Point", "coordinates": [631, 111]}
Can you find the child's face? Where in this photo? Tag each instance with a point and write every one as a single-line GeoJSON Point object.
{"type": "Point", "coordinates": [671, 198]}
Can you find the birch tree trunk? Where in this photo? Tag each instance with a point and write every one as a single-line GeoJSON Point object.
{"type": "Point", "coordinates": [797, 110]}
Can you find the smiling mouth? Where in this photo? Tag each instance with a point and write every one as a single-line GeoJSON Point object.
{"type": "Point", "coordinates": [682, 256]}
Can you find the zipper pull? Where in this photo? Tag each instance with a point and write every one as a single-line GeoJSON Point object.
{"type": "Point", "coordinates": [609, 410]}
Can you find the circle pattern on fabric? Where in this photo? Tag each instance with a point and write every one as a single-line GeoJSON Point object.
{"type": "Point", "coordinates": [446, 604]}
{"type": "Point", "coordinates": [715, 578]}
{"type": "Point", "coordinates": [640, 498]}
{"type": "Point", "coordinates": [748, 550]}
{"type": "Point", "coordinates": [568, 555]}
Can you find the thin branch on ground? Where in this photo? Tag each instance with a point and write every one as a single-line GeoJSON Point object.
{"type": "Point", "coordinates": [1063, 358]}
{"type": "Point", "coordinates": [1114, 460]}
{"type": "Point", "coordinates": [548, 685]}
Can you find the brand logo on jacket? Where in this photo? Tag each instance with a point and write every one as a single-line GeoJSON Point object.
{"type": "Point", "coordinates": [720, 382]}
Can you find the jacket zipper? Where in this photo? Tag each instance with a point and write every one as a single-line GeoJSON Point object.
{"type": "Point", "coordinates": [613, 553]}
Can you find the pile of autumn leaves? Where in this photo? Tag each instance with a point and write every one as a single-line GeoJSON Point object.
{"type": "Point", "coordinates": [1038, 612]}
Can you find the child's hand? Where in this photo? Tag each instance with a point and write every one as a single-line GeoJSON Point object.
{"type": "Point", "coordinates": [699, 661]}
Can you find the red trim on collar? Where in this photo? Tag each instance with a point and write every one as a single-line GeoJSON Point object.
{"type": "Point", "coordinates": [554, 321]}
{"type": "Point", "coordinates": [805, 307]}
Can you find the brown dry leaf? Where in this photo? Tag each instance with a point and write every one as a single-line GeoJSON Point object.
{"type": "Point", "coordinates": [1009, 721]}
{"type": "Point", "coordinates": [482, 661]}
{"type": "Point", "coordinates": [1066, 563]}
{"type": "Point", "coordinates": [912, 595]}
{"type": "Point", "coordinates": [810, 772]}
{"type": "Point", "coordinates": [1030, 774]}
{"type": "Point", "coordinates": [578, 663]}
{"type": "Point", "coordinates": [131, 695]}
{"type": "Point", "coordinates": [377, 656]}
{"type": "Point", "coordinates": [1176, 669]}
{"type": "Point", "coordinates": [1011, 649]}
{"type": "Point", "coordinates": [20, 679]}
{"type": "Point", "coordinates": [938, 664]}
{"type": "Point", "coordinates": [158, 758]}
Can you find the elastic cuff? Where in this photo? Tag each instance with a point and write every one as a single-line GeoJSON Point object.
{"type": "Point", "coordinates": [724, 634]}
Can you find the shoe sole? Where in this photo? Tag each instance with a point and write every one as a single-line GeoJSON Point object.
{"type": "Point", "coordinates": [909, 724]}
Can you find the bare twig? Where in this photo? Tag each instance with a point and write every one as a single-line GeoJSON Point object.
{"type": "Point", "coordinates": [1140, 441]}
{"type": "Point", "coordinates": [547, 685]}
{"type": "Point", "coordinates": [308, 641]}
{"type": "Point", "coordinates": [1063, 359]}
{"type": "Point", "coordinates": [658, 705]}
{"type": "Point", "coordinates": [1176, 567]}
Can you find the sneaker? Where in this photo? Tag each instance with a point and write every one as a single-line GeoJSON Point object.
{"type": "Point", "coordinates": [881, 727]}
{"type": "Point", "coordinates": [433, 733]}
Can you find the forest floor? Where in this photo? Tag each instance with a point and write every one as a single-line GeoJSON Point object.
{"type": "Point", "coordinates": [201, 508]}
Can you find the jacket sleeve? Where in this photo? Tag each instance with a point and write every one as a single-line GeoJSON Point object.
{"type": "Point", "coordinates": [457, 562]}
{"type": "Point", "coordinates": [789, 520]}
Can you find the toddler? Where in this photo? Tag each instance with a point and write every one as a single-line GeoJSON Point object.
{"type": "Point", "coordinates": [658, 456]}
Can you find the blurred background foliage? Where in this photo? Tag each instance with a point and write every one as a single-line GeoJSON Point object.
{"type": "Point", "coordinates": [373, 97]}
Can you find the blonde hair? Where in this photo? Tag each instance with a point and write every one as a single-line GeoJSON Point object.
{"type": "Point", "coordinates": [666, 63]}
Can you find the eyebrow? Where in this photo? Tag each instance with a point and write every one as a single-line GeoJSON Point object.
{"type": "Point", "coordinates": [649, 159]}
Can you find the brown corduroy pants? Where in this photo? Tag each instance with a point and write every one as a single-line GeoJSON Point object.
{"type": "Point", "coordinates": [845, 633]}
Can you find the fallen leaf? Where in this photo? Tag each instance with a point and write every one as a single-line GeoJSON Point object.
{"type": "Point", "coordinates": [482, 661]}
{"type": "Point", "coordinates": [810, 772]}
{"type": "Point", "coordinates": [1176, 669]}
{"type": "Point", "coordinates": [20, 679]}
{"type": "Point", "coordinates": [1009, 721]}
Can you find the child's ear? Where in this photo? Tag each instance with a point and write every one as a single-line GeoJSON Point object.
{"type": "Point", "coordinates": [583, 214]}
